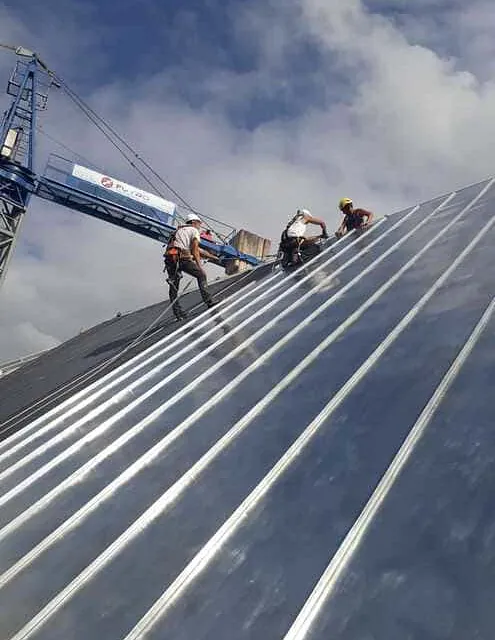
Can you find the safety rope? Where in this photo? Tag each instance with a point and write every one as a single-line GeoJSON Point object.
{"type": "Point", "coordinates": [10, 424]}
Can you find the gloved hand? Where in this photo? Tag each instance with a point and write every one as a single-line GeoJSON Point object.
{"type": "Point", "coordinates": [324, 234]}
{"type": "Point", "coordinates": [338, 234]}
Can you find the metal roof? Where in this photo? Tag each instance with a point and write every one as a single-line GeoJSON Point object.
{"type": "Point", "coordinates": [54, 375]}
{"type": "Point", "coordinates": [310, 460]}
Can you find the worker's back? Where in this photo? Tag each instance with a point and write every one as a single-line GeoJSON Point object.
{"type": "Point", "coordinates": [184, 236]}
{"type": "Point", "coordinates": [297, 227]}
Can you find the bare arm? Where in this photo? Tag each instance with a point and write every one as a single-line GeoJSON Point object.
{"type": "Point", "coordinates": [196, 252]}
{"type": "Point", "coordinates": [206, 255]}
{"type": "Point", "coordinates": [368, 215]}
{"type": "Point", "coordinates": [318, 221]}
{"type": "Point", "coordinates": [342, 230]}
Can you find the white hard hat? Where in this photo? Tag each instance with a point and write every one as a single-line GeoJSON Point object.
{"type": "Point", "coordinates": [192, 217]}
{"type": "Point", "coordinates": [305, 212]}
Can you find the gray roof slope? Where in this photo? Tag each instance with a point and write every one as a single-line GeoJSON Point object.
{"type": "Point", "coordinates": [42, 383]}
{"type": "Point", "coordinates": [312, 461]}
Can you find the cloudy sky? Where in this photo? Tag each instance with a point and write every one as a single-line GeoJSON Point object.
{"type": "Point", "coordinates": [250, 110]}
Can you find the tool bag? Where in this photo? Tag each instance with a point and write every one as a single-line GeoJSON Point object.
{"type": "Point", "coordinates": [171, 253]}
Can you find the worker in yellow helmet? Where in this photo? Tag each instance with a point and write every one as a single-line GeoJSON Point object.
{"type": "Point", "coordinates": [353, 218]}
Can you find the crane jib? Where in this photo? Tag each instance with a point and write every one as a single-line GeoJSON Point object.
{"type": "Point", "coordinates": [73, 186]}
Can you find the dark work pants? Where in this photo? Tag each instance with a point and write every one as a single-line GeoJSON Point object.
{"type": "Point", "coordinates": [294, 247]}
{"type": "Point", "coordinates": [191, 268]}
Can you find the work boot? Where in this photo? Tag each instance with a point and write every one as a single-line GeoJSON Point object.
{"type": "Point", "coordinates": [180, 315]}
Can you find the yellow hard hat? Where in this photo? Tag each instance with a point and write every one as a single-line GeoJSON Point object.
{"type": "Point", "coordinates": [344, 202]}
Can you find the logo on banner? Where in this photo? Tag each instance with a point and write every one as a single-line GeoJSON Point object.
{"type": "Point", "coordinates": [124, 189]}
{"type": "Point", "coordinates": [107, 182]}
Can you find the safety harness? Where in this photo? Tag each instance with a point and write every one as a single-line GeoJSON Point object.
{"type": "Point", "coordinates": [173, 254]}
{"type": "Point", "coordinates": [289, 247]}
{"type": "Point", "coordinates": [285, 240]}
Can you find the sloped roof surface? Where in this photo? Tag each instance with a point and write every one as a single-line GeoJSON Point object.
{"type": "Point", "coordinates": [42, 383]}
{"type": "Point", "coordinates": [314, 459]}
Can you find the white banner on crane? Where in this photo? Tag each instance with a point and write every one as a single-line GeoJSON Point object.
{"type": "Point", "coordinates": [123, 189]}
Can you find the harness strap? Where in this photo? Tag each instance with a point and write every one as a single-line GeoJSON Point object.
{"type": "Point", "coordinates": [294, 219]}
{"type": "Point", "coordinates": [176, 253]}
{"type": "Point", "coordinates": [284, 238]}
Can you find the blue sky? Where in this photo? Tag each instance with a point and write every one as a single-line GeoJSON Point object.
{"type": "Point", "coordinates": [131, 41]}
{"type": "Point", "coordinates": [250, 109]}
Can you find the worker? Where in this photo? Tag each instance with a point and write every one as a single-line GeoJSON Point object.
{"type": "Point", "coordinates": [183, 254]}
{"type": "Point", "coordinates": [207, 235]}
{"type": "Point", "coordinates": [293, 240]}
{"type": "Point", "coordinates": [353, 218]}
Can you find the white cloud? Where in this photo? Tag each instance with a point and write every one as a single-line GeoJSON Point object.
{"type": "Point", "coordinates": [410, 125]}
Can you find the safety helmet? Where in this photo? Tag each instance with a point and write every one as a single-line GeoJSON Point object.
{"type": "Point", "coordinates": [344, 202]}
{"type": "Point", "coordinates": [304, 212]}
{"type": "Point", "coordinates": [192, 217]}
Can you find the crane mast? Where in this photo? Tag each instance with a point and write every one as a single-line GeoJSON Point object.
{"type": "Point", "coordinates": [28, 85]}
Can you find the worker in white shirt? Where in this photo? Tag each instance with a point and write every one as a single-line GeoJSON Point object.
{"type": "Point", "coordinates": [293, 237]}
{"type": "Point", "coordinates": [184, 255]}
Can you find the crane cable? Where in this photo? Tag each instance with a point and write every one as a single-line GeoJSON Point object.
{"type": "Point", "coordinates": [90, 113]}
{"type": "Point", "coordinates": [41, 129]}
{"type": "Point", "coordinates": [107, 129]}
{"type": "Point", "coordinates": [96, 120]}
{"type": "Point", "coordinates": [47, 135]}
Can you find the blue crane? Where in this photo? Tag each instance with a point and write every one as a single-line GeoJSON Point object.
{"type": "Point", "coordinates": [83, 189]}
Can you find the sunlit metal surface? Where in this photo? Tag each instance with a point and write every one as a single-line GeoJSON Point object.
{"type": "Point", "coordinates": [294, 464]}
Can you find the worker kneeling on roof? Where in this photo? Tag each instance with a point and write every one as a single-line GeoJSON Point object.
{"type": "Point", "coordinates": [353, 218]}
{"type": "Point", "coordinates": [184, 255]}
{"type": "Point", "coordinates": [293, 241]}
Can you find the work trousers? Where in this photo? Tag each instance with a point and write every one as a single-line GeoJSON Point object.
{"type": "Point", "coordinates": [294, 247]}
{"type": "Point", "coordinates": [185, 265]}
